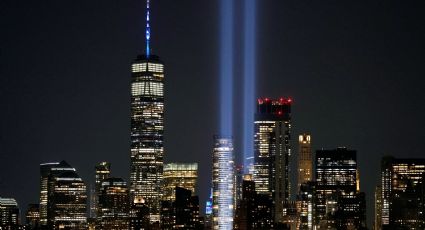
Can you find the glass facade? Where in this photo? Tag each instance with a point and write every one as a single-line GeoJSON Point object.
{"type": "Point", "coordinates": [272, 151]}
{"type": "Point", "coordinates": [66, 197]}
{"type": "Point", "coordinates": [183, 175]}
{"type": "Point", "coordinates": [113, 204]}
{"type": "Point", "coordinates": [402, 189]}
{"type": "Point", "coordinates": [9, 213]}
{"type": "Point", "coordinates": [223, 183]}
{"type": "Point", "coordinates": [147, 132]}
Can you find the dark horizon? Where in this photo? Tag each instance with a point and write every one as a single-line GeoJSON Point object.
{"type": "Point", "coordinates": [353, 69]}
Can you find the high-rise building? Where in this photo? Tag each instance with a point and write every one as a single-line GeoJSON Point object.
{"type": "Point", "coordinates": [103, 171]}
{"type": "Point", "coordinates": [254, 210]}
{"type": "Point", "coordinates": [45, 170]}
{"type": "Point", "coordinates": [147, 129]}
{"type": "Point", "coordinates": [183, 175]}
{"type": "Point", "coordinates": [182, 212]}
{"type": "Point", "coordinates": [113, 204]}
{"type": "Point", "coordinates": [305, 205]}
{"type": "Point", "coordinates": [32, 216]}
{"type": "Point", "coordinates": [139, 215]}
{"type": "Point", "coordinates": [272, 151]}
{"type": "Point", "coordinates": [377, 225]}
{"type": "Point", "coordinates": [338, 203]}
{"type": "Point", "coordinates": [402, 193]}
{"type": "Point", "coordinates": [305, 160]}
{"type": "Point", "coordinates": [64, 195]}
{"type": "Point", "coordinates": [223, 183]}
{"type": "Point", "coordinates": [9, 214]}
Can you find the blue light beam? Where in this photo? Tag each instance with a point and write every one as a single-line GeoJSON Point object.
{"type": "Point", "coordinates": [249, 48]}
{"type": "Point", "coordinates": [226, 67]}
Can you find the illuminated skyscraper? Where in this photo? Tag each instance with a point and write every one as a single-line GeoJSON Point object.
{"type": "Point", "coordinates": [272, 151]}
{"type": "Point", "coordinates": [32, 216]}
{"type": "Point", "coordinates": [103, 171]}
{"type": "Point", "coordinates": [44, 179]}
{"type": "Point", "coordinates": [183, 175]}
{"type": "Point", "coordinates": [113, 204]}
{"type": "Point", "coordinates": [63, 196]}
{"type": "Point", "coordinates": [223, 183]}
{"type": "Point", "coordinates": [337, 200]}
{"type": "Point", "coordinates": [402, 193]}
{"type": "Point", "coordinates": [305, 160]}
{"type": "Point", "coordinates": [147, 129]}
{"type": "Point", "coordinates": [9, 213]}
{"type": "Point", "coordinates": [378, 208]}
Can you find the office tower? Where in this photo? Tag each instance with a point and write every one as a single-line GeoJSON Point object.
{"type": "Point", "coordinates": [254, 210]}
{"type": "Point", "coordinates": [103, 171]}
{"type": "Point", "coordinates": [239, 173]}
{"type": "Point", "coordinates": [305, 205]}
{"type": "Point", "coordinates": [402, 193]}
{"type": "Point", "coordinates": [9, 213]}
{"type": "Point", "coordinates": [183, 175]}
{"type": "Point", "coordinates": [139, 215]}
{"type": "Point", "coordinates": [64, 195]}
{"type": "Point", "coordinates": [337, 201]}
{"type": "Point", "coordinates": [305, 160]}
{"type": "Point", "coordinates": [272, 150]}
{"type": "Point", "coordinates": [378, 208]}
{"type": "Point", "coordinates": [223, 182]}
{"type": "Point", "coordinates": [113, 204]}
{"type": "Point", "coordinates": [32, 216]}
{"type": "Point", "coordinates": [147, 128]}
{"type": "Point", "coordinates": [182, 212]}
{"type": "Point", "coordinates": [44, 180]}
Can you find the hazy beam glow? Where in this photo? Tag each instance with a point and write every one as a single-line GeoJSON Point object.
{"type": "Point", "coordinates": [226, 67]}
{"type": "Point", "coordinates": [249, 82]}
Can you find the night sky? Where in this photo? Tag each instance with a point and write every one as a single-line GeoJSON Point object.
{"type": "Point", "coordinates": [355, 70]}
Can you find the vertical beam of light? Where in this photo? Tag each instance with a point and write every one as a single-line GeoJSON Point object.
{"type": "Point", "coordinates": [226, 67]}
{"type": "Point", "coordinates": [249, 69]}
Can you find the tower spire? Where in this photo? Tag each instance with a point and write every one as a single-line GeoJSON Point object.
{"type": "Point", "coordinates": [148, 29]}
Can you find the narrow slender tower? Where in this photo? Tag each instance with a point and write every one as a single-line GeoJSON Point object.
{"type": "Point", "coordinates": [147, 128]}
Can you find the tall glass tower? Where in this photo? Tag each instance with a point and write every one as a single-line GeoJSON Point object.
{"type": "Point", "coordinates": [272, 150]}
{"type": "Point", "coordinates": [223, 182]}
{"type": "Point", "coordinates": [147, 129]}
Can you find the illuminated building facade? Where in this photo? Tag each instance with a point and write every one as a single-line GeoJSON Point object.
{"type": "Point", "coordinates": [305, 205]}
{"type": "Point", "coordinates": [223, 183]}
{"type": "Point", "coordinates": [272, 151]}
{"type": "Point", "coordinates": [44, 185]}
{"type": "Point", "coordinates": [305, 160]}
{"type": "Point", "coordinates": [338, 201]}
{"type": "Point", "coordinates": [402, 193]}
{"type": "Point", "coordinates": [66, 197]}
{"type": "Point", "coordinates": [147, 129]}
{"type": "Point", "coordinates": [254, 210]}
{"type": "Point", "coordinates": [378, 208]}
{"type": "Point", "coordinates": [113, 204]}
{"type": "Point", "coordinates": [182, 212]}
{"type": "Point", "coordinates": [32, 216]}
{"type": "Point", "coordinates": [103, 171]}
{"type": "Point", "coordinates": [9, 213]}
{"type": "Point", "coordinates": [183, 175]}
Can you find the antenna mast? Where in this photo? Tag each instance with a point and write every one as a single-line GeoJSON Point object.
{"type": "Point", "coordinates": [148, 29]}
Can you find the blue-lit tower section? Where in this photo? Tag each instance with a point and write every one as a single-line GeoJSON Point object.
{"type": "Point", "coordinates": [223, 183]}
{"type": "Point", "coordinates": [147, 130]}
{"type": "Point", "coordinates": [223, 158]}
{"type": "Point", "coordinates": [249, 49]}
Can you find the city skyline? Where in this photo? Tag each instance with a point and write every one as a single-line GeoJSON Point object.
{"type": "Point", "coordinates": [336, 122]}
